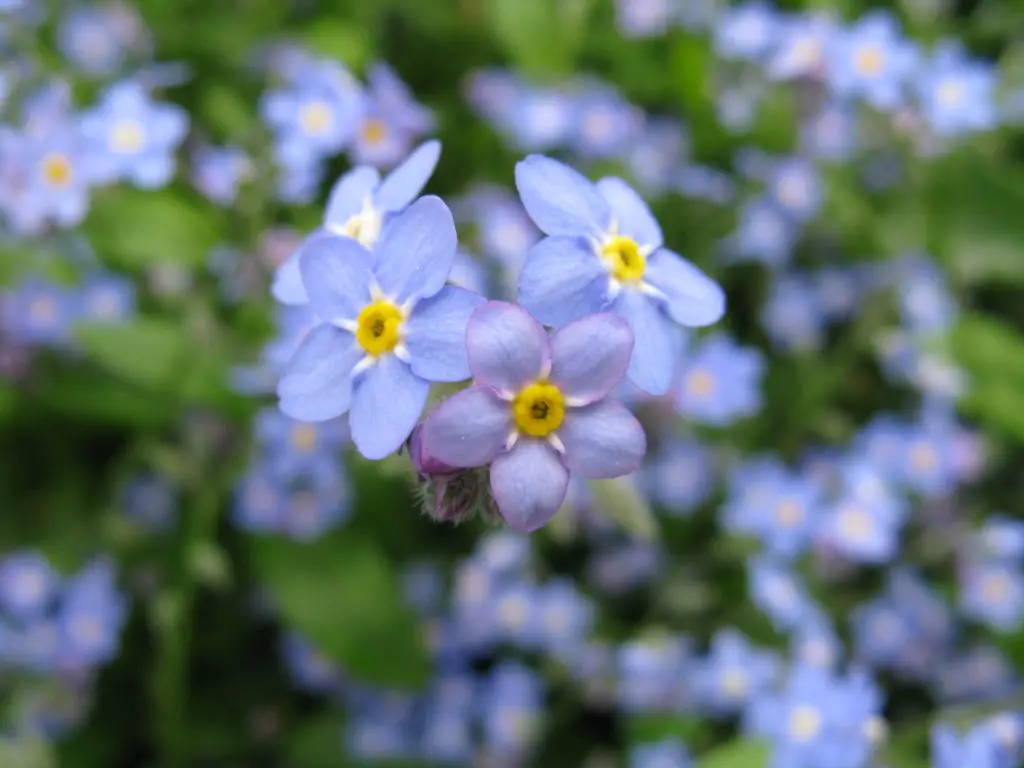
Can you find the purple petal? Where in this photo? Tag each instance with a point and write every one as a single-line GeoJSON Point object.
{"type": "Point", "coordinates": [590, 356]}
{"type": "Point", "coordinates": [416, 250]}
{"type": "Point", "coordinates": [287, 286]}
{"type": "Point", "coordinates": [386, 404]}
{"type": "Point", "coordinates": [337, 273]}
{"type": "Point", "coordinates": [349, 194]}
{"type": "Point", "coordinates": [435, 334]}
{"type": "Point", "coordinates": [404, 183]}
{"type": "Point", "coordinates": [562, 280]}
{"type": "Point", "coordinates": [634, 217]}
{"type": "Point", "coordinates": [694, 299]}
{"type": "Point", "coordinates": [529, 484]}
{"type": "Point", "coordinates": [468, 429]}
{"type": "Point", "coordinates": [507, 348]}
{"type": "Point", "coordinates": [602, 441]}
{"type": "Point", "coordinates": [658, 345]}
{"type": "Point", "coordinates": [317, 382]}
{"type": "Point", "coordinates": [560, 200]}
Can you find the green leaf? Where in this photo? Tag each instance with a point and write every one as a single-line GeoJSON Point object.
{"type": "Point", "coordinates": [317, 743]}
{"type": "Point", "coordinates": [737, 754]}
{"type": "Point", "coordinates": [334, 39]}
{"type": "Point", "coordinates": [988, 349]}
{"type": "Point", "coordinates": [341, 593]}
{"type": "Point", "coordinates": [147, 352]}
{"type": "Point", "coordinates": [135, 229]}
{"type": "Point", "coordinates": [541, 36]}
{"type": "Point", "coordinates": [93, 396]}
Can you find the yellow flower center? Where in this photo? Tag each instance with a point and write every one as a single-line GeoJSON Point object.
{"type": "Point", "coordinates": [304, 438]}
{"type": "Point", "coordinates": [804, 723]}
{"type": "Point", "coordinates": [373, 131]}
{"type": "Point", "coordinates": [315, 118]}
{"type": "Point", "coordinates": [379, 327]}
{"type": "Point", "coordinates": [625, 259]}
{"type": "Point", "coordinates": [869, 61]}
{"type": "Point", "coordinates": [127, 137]}
{"type": "Point", "coordinates": [539, 409]}
{"type": "Point", "coordinates": [57, 170]}
{"type": "Point", "coordinates": [700, 383]}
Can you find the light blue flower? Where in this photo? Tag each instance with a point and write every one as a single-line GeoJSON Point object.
{"type": "Point", "coordinates": [720, 382]}
{"type": "Point", "coordinates": [604, 252]}
{"type": "Point", "coordinates": [357, 208]}
{"type": "Point", "coordinates": [733, 672]}
{"type": "Point", "coordinates": [977, 748]}
{"type": "Point", "coordinates": [958, 94]}
{"type": "Point", "coordinates": [28, 584]}
{"type": "Point", "coordinates": [873, 60]}
{"type": "Point", "coordinates": [643, 18]}
{"type": "Point", "coordinates": [133, 137]}
{"type": "Point", "coordinates": [390, 327]}
{"type": "Point", "coordinates": [218, 172]}
{"type": "Point", "coordinates": [748, 31]}
{"type": "Point", "coordinates": [864, 523]}
{"type": "Point", "coordinates": [804, 42]}
{"type": "Point", "coordinates": [539, 410]}
{"type": "Point", "coordinates": [993, 594]}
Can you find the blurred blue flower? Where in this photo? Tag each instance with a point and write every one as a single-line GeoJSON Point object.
{"type": "Point", "coordinates": [680, 476]}
{"type": "Point", "coordinates": [218, 172]}
{"type": "Point", "coordinates": [832, 133]}
{"type": "Point", "coordinates": [957, 93]}
{"type": "Point", "coordinates": [796, 186]}
{"type": "Point", "coordinates": [106, 298]}
{"type": "Point", "coordinates": [654, 673]}
{"type": "Point", "coordinates": [604, 251]}
{"type": "Point", "coordinates": [977, 748]}
{"type": "Point", "coordinates": [993, 594]}
{"type": "Point", "coordinates": [511, 711]}
{"type": "Point", "coordinates": [40, 312]}
{"type": "Point", "coordinates": [765, 233]}
{"type": "Point", "coordinates": [95, 39]}
{"type": "Point", "coordinates": [864, 523]}
{"type": "Point", "coordinates": [605, 124]}
{"type": "Point", "coordinates": [309, 668]}
{"type": "Point", "coordinates": [720, 382]}
{"type": "Point", "coordinates": [294, 447]}
{"type": "Point", "coordinates": [732, 673]}
{"type": "Point", "coordinates": [660, 754]}
{"type": "Point", "coordinates": [780, 508]}
{"type": "Point", "coordinates": [91, 615]}
{"type": "Point", "coordinates": [779, 593]}
{"type": "Point", "coordinates": [804, 42]}
{"type": "Point", "coordinates": [28, 584]}
{"type": "Point", "coordinates": [748, 31]}
{"type": "Point", "coordinates": [792, 315]}
{"type": "Point", "coordinates": [152, 501]}
{"type": "Point", "coordinates": [872, 59]}
{"type": "Point", "coordinates": [644, 18]}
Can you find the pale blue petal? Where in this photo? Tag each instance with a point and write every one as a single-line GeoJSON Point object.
{"type": "Point", "coordinates": [507, 348]}
{"type": "Point", "coordinates": [560, 200]}
{"type": "Point", "coordinates": [435, 334]}
{"type": "Point", "coordinates": [634, 217]}
{"type": "Point", "coordinates": [658, 342]}
{"type": "Point", "coordinates": [590, 356]}
{"type": "Point", "coordinates": [562, 280]}
{"type": "Point", "coordinates": [317, 382]}
{"type": "Point", "coordinates": [529, 484]}
{"type": "Point", "coordinates": [468, 429]}
{"type": "Point", "coordinates": [603, 440]}
{"type": "Point", "coordinates": [287, 286]}
{"type": "Point", "coordinates": [337, 272]}
{"type": "Point", "coordinates": [416, 250]}
{"type": "Point", "coordinates": [349, 194]}
{"type": "Point", "coordinates": [404, 183]}
{"type": "Point", "coordinates": [694, 299]}
{"type": "Point", "coordinates": [386, 404]}
{"type": "Point", "coordinates": [152, 171]}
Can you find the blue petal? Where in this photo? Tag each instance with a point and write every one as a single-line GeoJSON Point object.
{"type": "Point", "coordinates": [317, 382]}
{"type": "Point", "coordinates": [634, 217]}
{"type": "Point", "coordinates": [602, 441]}
{"type": "Point", "coordinates": [658, 344]}
{"type": "Point", "coordinates": [337, 272]}
{"type": "Point", "coordinates": [590, 356]}
{"type": "Point", "coordinates": [386, 404]}
{"type": "Point", "coordinates": [435, 334]}
{"type": "Point", "coordinates": [694, 299]}
{"type": "Point", "coordinates": [529, 484]}
{"type": "Point", "coordinates": [507, 348]}
{"type": "Point", "coordinates": [468, 429]}
{"type": "Point", "coordinates": [562, 280]}
{"type": "Point", "coordinates": [404, 183]}
{"type": "Point", "coordinates": [416, 250]}
{"type": "Point", "coordinates": [560, 200]}
{"type": "Point", "coordinates": [287, 286]}
{"type": "Point", "coordinates": [349, 194]}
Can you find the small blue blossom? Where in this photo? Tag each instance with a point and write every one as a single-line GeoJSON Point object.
{"type": "Point", "coordinates": [309, 668]}
{"type": "Point", "coordinates": [294, 447]}
{"type": "Point", "coordinates": [792, 315]}
{"type": "Point", "coordinates": [720, 382]}
{"type": "Point", "coordinates": [512, 711]}
{"type": "Point", "coordinates": [795, 186]}
{"type": "Point", "coordinates": [805, 40]}
{"type": "Point", "coordinates": [218, 172]}
{"type": "Point", "coordinates": [643, 18]}
{"type": "Point", "coordinates": [95, 38]}
{"type": "Point", "coordinates": [778, 507]}
{"type": "Point", "coordinates": [604, 251]}
{"type": "Point", "coordinates": [539, 410]}
{"type": "Point", "coordinates": [106, 298]}
{"type": "Point", "coordinates": [28, 584]}
{"type": "Point", "coordinates": [864, 523]}
{"type": "Point", "coordinates": [977, 748]}
{"type": "Point", "coordinates": [680, 477]}
{"type": "Point", "coordinates": [41, 312]}
{"type": "Point", "coordinates": [733, 672]}
{"type": "Point", "coordinates": [653, 674]}
{"type": "Point", "coordinates": [747, 32]}
{"type": "Point", "coordinates": [779, 593]}
{"type": "Point", "coordinates": [872, 59]}
{"type": "Point", "coordinates": [152, 501]}
{"type": "Point", "coordinates": [958, 94]}
{"type": "Point", "coordinates": [606, 125]}
{"type": "Point", "coordinates": [993, 593]}
{"type": "Point", "coordinates": [90, 618]}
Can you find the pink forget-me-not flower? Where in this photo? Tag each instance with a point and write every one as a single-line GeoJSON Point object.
{"type": "Point", "coordinates": [390, 326]}
{"type": "Point", "coordinates": [539, 409]}
{"type": "Point", "coordinates": [604, 252]}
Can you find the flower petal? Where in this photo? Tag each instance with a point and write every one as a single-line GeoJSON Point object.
{"type": "Point", "coordinates": [602, 441]}
{"type": "Point", "coordinates": [404, 183]}
{"type": "Point", "coordinates": [562, 280]}
{"type": "Point", "coordinates": [468, 429]}
{"type": "Point", "coordinates": [560, 200]}
{"type": "Point", "coordinates": [694, 299]}
{"type": "Point", "coordinates": [590, 356]}
{"type": "Point", "coordinates": [387, 401]}
{"type": "Point", "coordinates": [317, 382]}
{"type": "Point", "coordinates": [349, 194]}
{"type": "Point", "coordinates": [631, 212]}
{"type": "Point", "coordinates": [435, 334]}
{"type": "Point", "coordinates": [658, 345]}
{"type": "Point", "coordinates": [529, 484]}
{"type": "Point", "coordinates": [416, 250]}
{"type": "Point", "coordinates": [287, 286]}
{"type": "Point", "coordinates": [507, 348]}
{"type": "Point", "coordinates": [336, 272]}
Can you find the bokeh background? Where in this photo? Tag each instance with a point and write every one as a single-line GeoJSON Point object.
{"type": "Point", "coordinates": [819, 564]}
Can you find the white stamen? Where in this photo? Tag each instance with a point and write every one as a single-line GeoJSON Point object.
{"type": "Point", "coordinates": [364, 365]}
{"type": "Point", "coordinates": [505, 395]}
{"type": "Point", "coordinates": [402, 353]}
{"type": "Point", "coordinates": [407, 307]}
{"type": "Point", "coordinates": [646, 250]}
{"type": "Point", "coordinates": [614, 289]}
{"type": "Point", "coordinates": [347, 325]}
{"type": "Point", "coordinates": [576, 402]}
{"type": "Point", "coordinates": [376, 294]}
{"type": "Point", "coordinates": [545, 369]}
{"type": "Point", "coordinates": [511, 441]}
{"type": "Point", "coordinates": [555, 442]}
{"type": "Point", "coordinates": [649, 290]}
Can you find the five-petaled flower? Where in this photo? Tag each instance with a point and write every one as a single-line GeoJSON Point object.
{"type": "Point", "coordinates": [538, 410]}
{"type": "Point", "coordinates": [390, 326]}
{"type": "Point", "coordinates": [604, 252]}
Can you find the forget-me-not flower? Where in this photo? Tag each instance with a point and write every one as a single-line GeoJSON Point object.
{"type": "Point", "coordinates": [539, 410]}
{"type": "Point", "coordinates": [390, 327]}
{"type": "Point", "coordinates": [357, 208]}
{"type": "Point", "coordinates": [604, 251]}
{"type": "Point", "coordinates": [958, 93]}
{"type": "Point", "coordinates": [721, 382]}
{"type": "Point", "coordinates": [872, 59]}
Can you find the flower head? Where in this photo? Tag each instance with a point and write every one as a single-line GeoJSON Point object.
{"type": "Point", "coordinates": [538, 410]}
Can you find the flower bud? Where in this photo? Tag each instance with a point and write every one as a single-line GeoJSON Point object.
{"type": "Point", "coordinates": [427, 466]}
